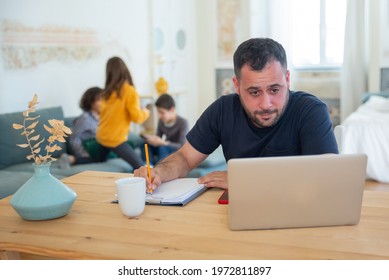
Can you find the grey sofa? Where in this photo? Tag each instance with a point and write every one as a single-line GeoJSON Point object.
{"type": "Point", "coordinates": [15, 169]}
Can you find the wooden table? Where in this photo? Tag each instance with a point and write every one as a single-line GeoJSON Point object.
{"type": "Point", "coordinates": [96, 229]}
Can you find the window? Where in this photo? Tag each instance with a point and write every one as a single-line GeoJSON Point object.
{"type": "Point", "coordinates": [318, 33]}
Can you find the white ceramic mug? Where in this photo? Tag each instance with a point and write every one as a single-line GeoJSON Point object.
{"type": "Point", "coordinates": [131, 194]}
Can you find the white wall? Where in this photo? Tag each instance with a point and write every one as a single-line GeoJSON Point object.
{"type": "Point", "coordinates": [171, 18]}
{"type": "Point", "coordinates": [119, 27]}
{"type": "Point", "coordinates": [206, 10]}
{"type": "Point", "coordinates": [384, 31]}
{"type": "Point", "coordinates": [375, 46]}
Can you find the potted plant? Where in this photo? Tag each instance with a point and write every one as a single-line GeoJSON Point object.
{"type": "Point", "coordinates": [43, 196]}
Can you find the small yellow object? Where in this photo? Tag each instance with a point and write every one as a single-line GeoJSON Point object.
{"type": "Point", "coordinates": [161, 85]}
{"type": "Point", "coordinates": [148, 165]}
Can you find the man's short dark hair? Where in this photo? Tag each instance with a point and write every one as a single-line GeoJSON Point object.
{"type": "Point", "coordinates": [165, 101]}
{"type": "Point", "coordinates": [257, 52]}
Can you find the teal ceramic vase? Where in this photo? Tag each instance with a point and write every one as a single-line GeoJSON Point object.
{"type": "Point", "coordinates": [43, 196]}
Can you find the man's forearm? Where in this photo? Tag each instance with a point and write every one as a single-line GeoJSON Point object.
{"type": "Point", "coordinates": [172, 167]}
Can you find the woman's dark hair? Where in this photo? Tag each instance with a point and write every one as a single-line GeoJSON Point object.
{"type": "Point", "coordinates": [165, 101]}
{"type": "Point", "coordinates": [116, 74]}
{"type": "Point", "coordinates": [257, 52]}
{"type": "Point", "coordinates": [89, 97]}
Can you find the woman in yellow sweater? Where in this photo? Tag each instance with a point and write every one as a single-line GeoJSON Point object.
{"type": "Point", "coordinates": [120, 106]}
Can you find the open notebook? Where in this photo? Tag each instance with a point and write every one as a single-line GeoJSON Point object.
{"type": "Point", "coordinates": [176, 192]}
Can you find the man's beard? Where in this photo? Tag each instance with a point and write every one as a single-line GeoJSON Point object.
{"type": "Point", "coordinates": [258, 122]}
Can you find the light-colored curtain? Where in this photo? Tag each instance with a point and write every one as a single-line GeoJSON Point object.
{"type": "Point", "coordinates": [354, 80]}
{"type": "Point", "coordinates": [280, 29]}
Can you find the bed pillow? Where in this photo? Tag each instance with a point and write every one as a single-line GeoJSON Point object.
{"type": "Point", "coordinates": [377, 103]}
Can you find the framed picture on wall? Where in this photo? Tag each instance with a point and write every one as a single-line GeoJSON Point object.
{"type": "Point", "coordinates": [224, 84]}
{"type": "Point", "coordinates": [333, 105]}
{"type": "Point", "coordinates": [228, 29]}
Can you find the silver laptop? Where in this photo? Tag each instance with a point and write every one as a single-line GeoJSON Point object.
{"type": "Point", "coordinates": [296, 191]}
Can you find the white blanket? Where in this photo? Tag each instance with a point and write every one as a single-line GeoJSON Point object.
{"type": "Point", "coordinates": [367, 131]}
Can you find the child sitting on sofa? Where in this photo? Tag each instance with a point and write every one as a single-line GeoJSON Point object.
{"type": "Point", "coordinates": [85, 127]}
{"type": "Point", "coordinates": [171, 130]}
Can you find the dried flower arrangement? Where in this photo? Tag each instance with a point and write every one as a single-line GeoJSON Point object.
{"type": "Point", "coordinates": [57, 130]}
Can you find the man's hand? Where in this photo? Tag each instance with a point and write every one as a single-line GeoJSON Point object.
{"type": "Point", "coordinates": [155, 178]}
{"type": "Point", "coordinates": [176, 165]}
{"type": "Point", "coordinates": [217, 179]}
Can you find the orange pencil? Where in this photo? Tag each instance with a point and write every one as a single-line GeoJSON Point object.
{"type": "Point", "coordinates": [148, 165]}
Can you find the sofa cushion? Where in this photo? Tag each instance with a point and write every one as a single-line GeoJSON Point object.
{"type": "Point", "coordinates": [69, 122]}
{"type": "Point", "coordinates": [214, 162]}
{"type": "Point", "coordinates": [11, 181]}
{"type": "Point", "coordinates": [13, 177]}
{"type": "Point", "coordinates": [214, 159]}
{"type": "Point", "coordinates": [111, 165]}
{"type": "Point", "coordinates": [12, 154]}
{"type": "Point", "coordinates": [201, 171]}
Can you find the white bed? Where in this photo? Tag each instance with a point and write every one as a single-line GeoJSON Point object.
{"type": "Point", "coordinates": [367, 131]}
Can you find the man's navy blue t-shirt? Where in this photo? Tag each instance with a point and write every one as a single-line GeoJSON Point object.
{"type": "Point", "coordinates": [305, 128]}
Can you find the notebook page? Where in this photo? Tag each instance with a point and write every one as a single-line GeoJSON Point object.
{"type": "Point", "coordinates": [176, 190]}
